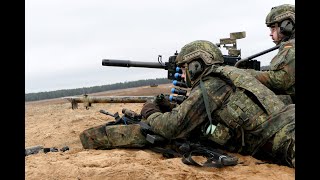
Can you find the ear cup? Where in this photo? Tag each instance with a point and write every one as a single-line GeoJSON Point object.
{"type": "Point", "coordinates": [195, 68]}
{"type": "Point", "coordinates": [286, 27]}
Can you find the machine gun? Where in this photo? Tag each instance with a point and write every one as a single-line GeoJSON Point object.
{"type": "Point", "coordinates": [231, 59]}
{"type": "Point", "coordinates": [234, 54]}
{"type": "Point", "coordinates": [170, 65]}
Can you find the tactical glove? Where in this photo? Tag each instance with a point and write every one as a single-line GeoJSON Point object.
{"type": "Point", "coordinates": [148, 109]}
{"type": "Point", "coordinates": [164, 104]}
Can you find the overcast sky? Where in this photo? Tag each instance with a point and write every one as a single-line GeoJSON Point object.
{"type": "Point", "coordinates": [66, 40]}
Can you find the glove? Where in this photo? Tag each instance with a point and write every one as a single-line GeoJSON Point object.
{"type": "Point", "coordinates": [148, 109]}
{"type": "Point", "coordinates": [164, 104]}
{"type": "Point", "coordinates": [131, 114]}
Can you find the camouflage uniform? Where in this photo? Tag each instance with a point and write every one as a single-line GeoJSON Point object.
{"type": "Point", "coordinates": [247, 116]}
{"type": "Point", "coordinates": [232, 112]}
{"type": "Point", "coordinates": [113, 136]}
{"type": "Point", "coordinates": [280, 78]}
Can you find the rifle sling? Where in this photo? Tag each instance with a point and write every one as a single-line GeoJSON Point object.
{"type": "Point", "coordinates": [214, 159]}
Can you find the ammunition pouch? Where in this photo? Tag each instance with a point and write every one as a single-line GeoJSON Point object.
{"type": "Point", "coordinates": [241, 111]}
{"type": "Point", "coordinates": [220, 135]}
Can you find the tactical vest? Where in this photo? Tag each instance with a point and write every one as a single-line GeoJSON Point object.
{"type": "Point", "coordinates": [246, 112]}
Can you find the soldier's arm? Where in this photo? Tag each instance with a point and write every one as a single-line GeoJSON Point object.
{"type": "Point", "coordinates": [188, 115]}
{"type": "Point", "coordinates": [281, 75]}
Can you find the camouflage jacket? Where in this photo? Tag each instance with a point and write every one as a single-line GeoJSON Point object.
{"type": "Point", "coordinates": [280, 78]}
{"type": "Point", "coordinates": [240, 110]}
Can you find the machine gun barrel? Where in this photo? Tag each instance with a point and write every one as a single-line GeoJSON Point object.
{"type": "Point", "coordinates": [128, 63]}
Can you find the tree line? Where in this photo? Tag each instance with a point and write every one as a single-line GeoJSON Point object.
{"type": "Point", "coordinates": [94, 89]}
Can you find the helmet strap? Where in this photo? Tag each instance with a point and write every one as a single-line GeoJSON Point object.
{"type": "Point", "coordinates": [281, 37]}
{"type": "Point", "coordinates": [188, 79]}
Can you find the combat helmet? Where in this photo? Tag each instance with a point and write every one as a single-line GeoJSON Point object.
{"type": "Point", "coordinates": [206, 50]}
{"type": "Point", "coordinates": [198, 55]}
{"type": "Point", "coordinates": [280, 13]}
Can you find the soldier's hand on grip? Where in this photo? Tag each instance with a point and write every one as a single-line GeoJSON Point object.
{"type": "Point", "coordinates": [164, 104]}
{"type": "Point", "coordinates": [148, 109]}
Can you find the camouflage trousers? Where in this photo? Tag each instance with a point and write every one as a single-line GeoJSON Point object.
{"type": "Point", "coordinates": [284, 145]}
{"type": "Point", "coordinates": [113, 136]}
{"type": "Point", "coordinates": [281, 147]}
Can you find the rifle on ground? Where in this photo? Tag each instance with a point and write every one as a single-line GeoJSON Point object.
{"type": "Point", "coordinates": [39, 148]}
{"type": "Point", "coordinates": [88, 100]}
{"type": "Point", "coordinates": [174, 148]}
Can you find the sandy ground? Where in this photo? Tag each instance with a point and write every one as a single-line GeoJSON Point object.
{"type": "Point", "coordinates": [52, 123]}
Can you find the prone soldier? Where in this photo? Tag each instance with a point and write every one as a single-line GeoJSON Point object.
{"type": "Point", "coordinates": [226, 106]}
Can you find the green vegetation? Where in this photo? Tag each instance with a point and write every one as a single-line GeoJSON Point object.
{"type": "Point", "coordinates": [94, 89]}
